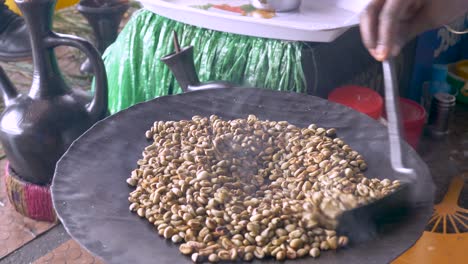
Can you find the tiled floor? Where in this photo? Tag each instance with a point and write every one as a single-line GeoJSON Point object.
{"type": "Point", "coordinates": [68, 252]}
{"type": "Point", "coordinates": [15, 229]}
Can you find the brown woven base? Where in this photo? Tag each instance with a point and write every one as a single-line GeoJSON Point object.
{"type": "Point", "coordinates": [31, 200]}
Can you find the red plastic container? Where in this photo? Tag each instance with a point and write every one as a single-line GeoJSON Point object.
{"type": "Point", "coordinates": [413, 117]}
{"type": "Point", "coordinates": [361, 99]}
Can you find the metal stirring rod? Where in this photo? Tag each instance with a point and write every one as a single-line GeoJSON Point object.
{"type": "Point", "coordinates": [393, 116]}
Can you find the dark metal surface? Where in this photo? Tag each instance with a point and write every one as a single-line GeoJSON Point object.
{"type": "Point", "coordinates": [36, 129]}
{"type": "Point", "coordinates": [90, 192]}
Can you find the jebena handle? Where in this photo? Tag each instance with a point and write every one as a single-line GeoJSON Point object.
{"type": "Point", "coordinates": [97, 108]}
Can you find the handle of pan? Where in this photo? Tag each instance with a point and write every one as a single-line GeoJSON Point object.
{"type": "Point", "coordinates": [393, 115]}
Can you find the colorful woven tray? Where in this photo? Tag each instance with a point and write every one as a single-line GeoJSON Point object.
{"type": "Point", "coordinates": [28, 199]}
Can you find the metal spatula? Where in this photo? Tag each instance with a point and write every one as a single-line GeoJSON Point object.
{"type": "Point", "coordinates": [365, 222]}
{"type": "Point", "coordinates": [393, 116]}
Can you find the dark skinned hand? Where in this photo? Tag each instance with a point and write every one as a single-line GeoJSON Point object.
{"type": "Point", "coordinates": [387, 25]}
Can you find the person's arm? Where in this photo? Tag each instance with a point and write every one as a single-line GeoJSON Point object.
{"type": "Point", "coordinates": [387, 25]}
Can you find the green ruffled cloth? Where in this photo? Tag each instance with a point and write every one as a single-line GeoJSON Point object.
{"type": "Point", "coordinates": [136, 74]}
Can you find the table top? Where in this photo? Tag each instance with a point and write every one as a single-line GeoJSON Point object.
{"type": "Point", "coordinates": [315, 21]}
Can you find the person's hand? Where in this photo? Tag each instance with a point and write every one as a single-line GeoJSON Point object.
{"type": "Point", "coordinates": [386, 25]}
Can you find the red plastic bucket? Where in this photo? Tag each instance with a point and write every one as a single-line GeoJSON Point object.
{"type": "Point", "coordinates": [361, 99]}
{"type": "Point", "coordinates": [414, 118]}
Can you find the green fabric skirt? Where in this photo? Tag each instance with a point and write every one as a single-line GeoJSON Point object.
{"type": "Point", "coordinates": [136, 74]}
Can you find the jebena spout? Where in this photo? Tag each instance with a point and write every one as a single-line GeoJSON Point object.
{"type": "Point", "coordinates": [182, 66]}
